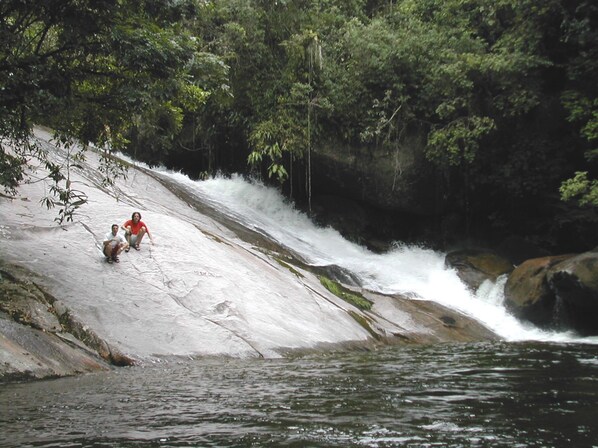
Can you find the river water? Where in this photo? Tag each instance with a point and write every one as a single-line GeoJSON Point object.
{"type": "Point", "coordinates": [486, 394]}
{"type": "Point", "coordinates": [534, 389]}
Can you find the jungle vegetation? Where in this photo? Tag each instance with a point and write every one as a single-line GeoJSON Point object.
{"type": "Point", "coordinates": [504, 92]}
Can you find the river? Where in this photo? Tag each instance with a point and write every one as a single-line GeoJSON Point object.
{"type": "Point", "coordinates": [486, 394]}
{"type": "Point", "coordinates": [534, 389]}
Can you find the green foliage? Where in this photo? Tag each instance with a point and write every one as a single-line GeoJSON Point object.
{"type": "Point", "coordinates": [270, 138]}
{"type": "Point", "coordinates": [211, 84]}
{"type": "Point", "coordinates": [111, 169]}
{"type": "Point", "coordinates": [580, 29]}
{"type": "Point", "coordinates": [583, 111]}
{"type": "Point", "coordinates": [581, 187]}
{"type": "Point", "coordinates": [459, 141]}
{"type": "Point", "coordinates": [63, 192]}
{"type": "Point", "coordinates": [451, 67]}
{"type": "Point", "coordinates": [11, 172]}
{"type": "Point", "coordinates": [89, 70]}
{"type": "Point", "coordinates": [348, 296]}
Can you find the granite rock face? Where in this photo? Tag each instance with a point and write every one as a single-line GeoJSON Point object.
{"type": "Point", "coordinates": [205, 287]}
{"type": "Point", "coordinates": [33, 342]}
{"type": "Point", "coordinates": [390, 179]}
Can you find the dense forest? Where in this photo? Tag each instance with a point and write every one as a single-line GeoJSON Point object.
{"type": "Point", "coordinates": [501, 96]}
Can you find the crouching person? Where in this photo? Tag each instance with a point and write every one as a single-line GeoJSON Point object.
{"type": "Point", "coordinates": [135, 229]}
{"type": "Point", "coordinates": [114, 244]}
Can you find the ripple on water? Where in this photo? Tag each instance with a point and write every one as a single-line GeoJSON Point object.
{"type": "Point", "coordinates": [490, 394]}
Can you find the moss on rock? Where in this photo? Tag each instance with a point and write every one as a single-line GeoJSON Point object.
{"type": "Point", "coordinates": [289, 267]}
{"type": "Point", "coordinates": [347, 295]}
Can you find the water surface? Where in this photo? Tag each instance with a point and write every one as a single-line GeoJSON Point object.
{"type": "Point", "coordinates": [486, 394]}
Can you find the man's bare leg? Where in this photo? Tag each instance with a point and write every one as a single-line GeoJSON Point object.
{"type": "Point", "coordinates": [140, 236]}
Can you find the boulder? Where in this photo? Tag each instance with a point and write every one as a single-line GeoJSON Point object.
{"type": "Point", "coordinates": [559, 292]}
{"type": "Point", "coordinates": [474, 266]}
{"type": "Point", "coordinates": [574, 283]}
{"type": "Point", "coordinates": [527, 292]}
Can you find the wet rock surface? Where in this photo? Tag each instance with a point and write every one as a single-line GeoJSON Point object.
{"type": "Point", "coordinates": [528, 294]}
{"type": "Point", "coordinates": [475, 266]}
{"type": "Point", "coordinates": [575, 285]}
{"type": "Point", "coordinates": [558, 292]}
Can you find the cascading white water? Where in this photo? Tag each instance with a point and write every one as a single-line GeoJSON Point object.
{"type": "Point", "coordinates": [415, 271]}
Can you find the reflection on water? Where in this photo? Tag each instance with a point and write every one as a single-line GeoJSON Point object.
{"type": "Point", "coordinates": [490, 394]}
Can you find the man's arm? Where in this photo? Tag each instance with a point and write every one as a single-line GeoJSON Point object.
{"type": "Point", "coordinates": [149, 234]}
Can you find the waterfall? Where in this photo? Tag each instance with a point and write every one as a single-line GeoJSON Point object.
{"type": "Point", "coordinates": [414, 271]}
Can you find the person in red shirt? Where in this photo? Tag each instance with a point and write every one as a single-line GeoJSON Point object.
{"type": "Point", "coordinates": [135, 229]}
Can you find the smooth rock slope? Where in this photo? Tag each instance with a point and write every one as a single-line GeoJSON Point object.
{"type": "Point", "coordinates": [206, 287]}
